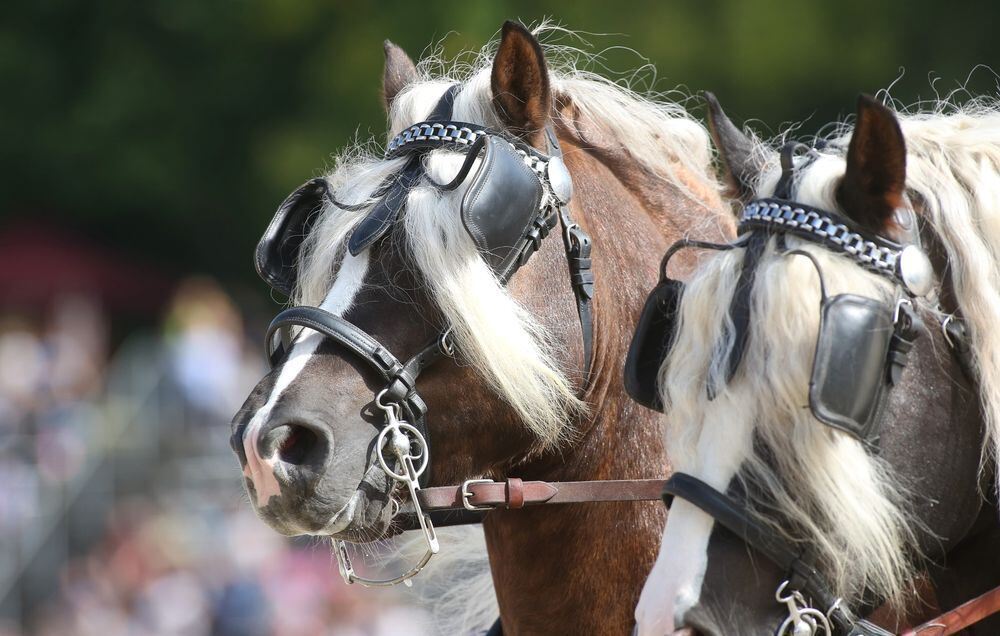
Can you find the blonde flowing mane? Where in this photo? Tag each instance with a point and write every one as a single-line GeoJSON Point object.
{"type": "Point", "coordinates": [493, 333]}
{"type": "Point", "coordinates": [845, 503]}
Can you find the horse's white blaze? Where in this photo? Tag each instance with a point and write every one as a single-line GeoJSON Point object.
{"type": "Point", "coordinates": [345, 288]}
{"type": "Point", "coordinates": [674, 585]}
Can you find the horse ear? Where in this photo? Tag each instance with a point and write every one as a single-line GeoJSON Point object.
{"type": "Point", "coordinates": [399, 71]}
{"type": "Point", "coordinates": [739, 161]}
{"type": "Point", "coordinates": [873, 185]}
{"type": "Point", "coordinates": [520, 81]}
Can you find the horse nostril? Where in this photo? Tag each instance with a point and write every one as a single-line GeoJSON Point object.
{"type": "Point", "coordinates": [296, 444]}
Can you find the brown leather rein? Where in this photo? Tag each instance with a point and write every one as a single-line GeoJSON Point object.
{"type": "Point", "coordinates": [482, 495]}
{"type": "Point", "coordinates": [486, 494]}
{"type": "Point", "coordinates": [965, 615]}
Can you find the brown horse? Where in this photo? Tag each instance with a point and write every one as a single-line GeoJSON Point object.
{"type": "Point", "coordinates": [513, 401]}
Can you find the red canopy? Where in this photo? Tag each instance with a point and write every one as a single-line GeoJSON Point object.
{"type": "Point", "coordinates": [39, 262]}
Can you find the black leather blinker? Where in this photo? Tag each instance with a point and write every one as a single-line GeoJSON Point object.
{"type": "Point", "coordinates": [277, 253]}
{"type": "Point", "coordinates": [374, 226]}
{"type": "Point", "coordinates": [849, 376]}
{"type": "Point", "coordinates": [654, 334]}
{"type": "Point", "coordinates": [500, 205]}
{"type": "Point", "coordinates": [657, 326]}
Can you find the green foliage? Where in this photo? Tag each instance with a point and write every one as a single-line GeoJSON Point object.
{"type": "Point", "coordinates": [172, 128]}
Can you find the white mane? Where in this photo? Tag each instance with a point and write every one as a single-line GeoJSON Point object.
{"type": "Point", "coordinates": [493, 333]}
{"type": "Point", "coordinates": [845, 502]}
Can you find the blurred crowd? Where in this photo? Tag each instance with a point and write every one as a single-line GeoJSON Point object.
{"type": "Point", "coordinates": [50, 377]}
{"type": "Point", "coordinates": [122, 511]}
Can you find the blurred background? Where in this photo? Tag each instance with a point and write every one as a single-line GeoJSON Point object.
{"type": "Point", "coordinates": [144, 147]}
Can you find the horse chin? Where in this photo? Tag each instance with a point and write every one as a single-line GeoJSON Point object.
{"type": "Point", "coordinates": [363, 519]}
{"type": "Point", "coordinates": [365, 516]}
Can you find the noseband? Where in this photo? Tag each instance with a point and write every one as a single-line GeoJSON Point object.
{"type": "Point", "coordinates": [517, 196]}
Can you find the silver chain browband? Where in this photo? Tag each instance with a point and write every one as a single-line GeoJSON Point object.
{"type": "Point", "coordinates": [868, 253]}
{"type": "Point", "coordinates": [461, 135]}
{"type": "Point", "coordinates": [903, 264]}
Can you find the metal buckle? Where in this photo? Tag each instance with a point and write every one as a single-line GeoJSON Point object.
{"type": "Point", "coordinates": [899, 305]}
{"type": "Point", "coordinates": [944, 329]}
{"type": "Point", "coordinates": [400, 437]}
{"type": "Point", "coordinates": [446, 343]}
{"type": "Point", "coordinates": [467, 494]}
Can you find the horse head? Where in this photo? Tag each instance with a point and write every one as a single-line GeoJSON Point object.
{"type": "Point", "coordinates": [820, 382]}
{"type": "Point", "coordinates": [425, 348]}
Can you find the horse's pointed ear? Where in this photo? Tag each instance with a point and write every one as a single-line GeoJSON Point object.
{"type": "Point", "coordinates": [399, 71]}
{"type": "Point", "coordinates": [520, 81]}
{"type": "Point", "coordinates": [739, 160]}
{"type": "Point", "coordinates": [873, 185]}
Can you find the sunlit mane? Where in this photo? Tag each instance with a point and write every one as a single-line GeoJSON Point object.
{"type": "Point", "coordinates": [844, 502]}
{"type": "Point", "coordinates": [493, 333]}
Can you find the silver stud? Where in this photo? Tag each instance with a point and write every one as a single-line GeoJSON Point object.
{"type": "Point", "coordinates": [915, 270]}
{"type": "Point", "coordinates": [560, 180]}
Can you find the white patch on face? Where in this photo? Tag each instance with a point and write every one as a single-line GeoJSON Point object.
{"type": "Point", "coordinates": [345, 288]}
{"type": "Point", "coordinates": [674, 584]}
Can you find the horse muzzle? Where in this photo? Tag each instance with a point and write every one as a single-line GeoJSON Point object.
{"type": "Point", "coordinates": [291, 476]}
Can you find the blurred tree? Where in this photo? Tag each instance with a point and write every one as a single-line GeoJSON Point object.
{"type": "Point", "coordinates": [172, 128]}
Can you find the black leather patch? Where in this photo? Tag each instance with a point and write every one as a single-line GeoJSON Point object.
{"type": "Point", "coordinates": [277, 251]}
{"type": "Point", "coordinates": [651, 343]}
{"type": "Point", "coordinates": [387, 210]}
{"type": "Point", "coordinates": [849, 370]}
{"type": "Point", "coordinates": [500, 204]}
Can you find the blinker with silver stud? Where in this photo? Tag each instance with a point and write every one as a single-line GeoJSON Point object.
{"type": "Point", "coordinates": [915, 270]}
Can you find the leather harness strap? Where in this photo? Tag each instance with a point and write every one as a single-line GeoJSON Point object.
{"type": "Point", "coordinates": [965, 615]}
{"type": "Point", "coordinates": [515, 493]}
{"type": "Point", "coordinates": [802, 574]}
{"type": "Point", "coordinates": [470, 502]}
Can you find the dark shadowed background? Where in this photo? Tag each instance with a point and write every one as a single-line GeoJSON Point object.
{"type": "Point", "coordinates": [171, 129]}
{"type": "Point", "coordinates": [143, 148]}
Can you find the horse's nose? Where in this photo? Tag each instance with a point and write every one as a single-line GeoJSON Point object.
{"type": "Point", "coordinates": [282, 451]}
